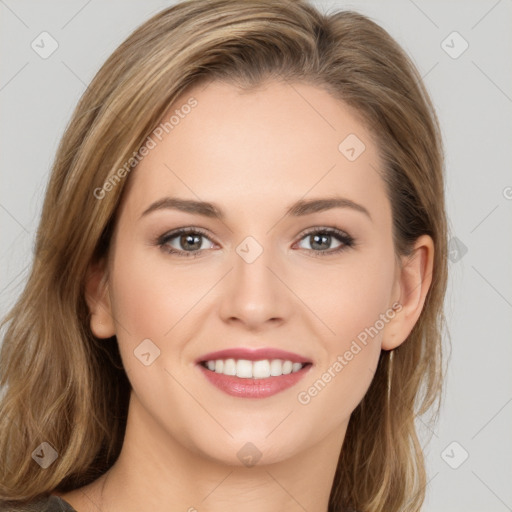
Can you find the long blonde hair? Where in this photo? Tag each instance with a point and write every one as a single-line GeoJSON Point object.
{"type": "Point", "coordinates": [64, 387]}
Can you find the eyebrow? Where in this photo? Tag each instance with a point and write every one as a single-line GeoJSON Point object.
{"type": "Point", "coordinates": [300, 208]}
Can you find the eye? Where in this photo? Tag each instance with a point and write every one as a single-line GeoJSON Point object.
{"type": "Point", "coordinates": [187, 242]}
{"type": "Point", "coordinates": [190, 241]}
{"type": "Point", "coordinates": [320, 240]}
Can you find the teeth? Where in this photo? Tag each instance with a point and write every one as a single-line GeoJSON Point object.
{"type": "Point", "coordinates": [243, 368]}
{"type": "Point", "coordinates": [276, 367]}
{"type": "Point", "coordinates": [260, 369]}
{"type": "Point", "coordinates": [229, 367]}
{"type": "Point", "coordinates": [296, 367]}
{"type": "Point", "coordinates": [246, 369]}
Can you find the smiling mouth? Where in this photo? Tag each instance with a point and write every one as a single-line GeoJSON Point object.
{"type": "Point", "coordinates": [259, 369]}
{"type": "Point", "coordinates": [259, 378]}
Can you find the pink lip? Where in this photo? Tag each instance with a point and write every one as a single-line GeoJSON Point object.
{"type": "Point", "coordinates": [253, 388]}
{"type": "Point", "coordinates": [253, 355]}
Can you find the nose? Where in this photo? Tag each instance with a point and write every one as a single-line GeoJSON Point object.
{"type": "Point", "coordinates": [255, 296]}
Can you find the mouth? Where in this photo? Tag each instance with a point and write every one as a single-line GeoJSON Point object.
{"type": "Point", "coordinates": [246, 369]}
{"type": "Point", "coordinates": [253, 373]}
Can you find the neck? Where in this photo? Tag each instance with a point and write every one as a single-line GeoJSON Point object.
{"type": "Point", "coordinates": [154, 471]}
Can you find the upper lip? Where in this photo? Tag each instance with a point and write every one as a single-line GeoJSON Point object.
{"type": "Point", "coordinates": [253, 354]}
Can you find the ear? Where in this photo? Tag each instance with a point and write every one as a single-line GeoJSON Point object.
{"type": "Point", "coordinates": [98, 300]}
{"type": "Point", "coordinates": [413, 282]}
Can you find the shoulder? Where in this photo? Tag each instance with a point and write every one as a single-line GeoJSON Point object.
{"type": "Point", "coordinates": [45, 504]}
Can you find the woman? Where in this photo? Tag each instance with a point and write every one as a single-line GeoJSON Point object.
{"type": "Point", "coordinates": [239, 278]}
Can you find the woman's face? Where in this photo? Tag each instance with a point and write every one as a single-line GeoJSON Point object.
{"type": "Point", "coordinates": [271, 262]}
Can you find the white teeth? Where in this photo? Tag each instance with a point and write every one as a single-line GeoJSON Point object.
{"type": "Point", "coordinates": [229, 367]}
{"type": "Point", "coordinates": [261, 369]}
{"type": "Point", "coordinates": [287, 367]}
{"type": "Point", "coordinates": [276, 367]}
{"type": "Point", "coordinates": [245, 369]}
{"type": "Point", "coordinates": [296, 367]}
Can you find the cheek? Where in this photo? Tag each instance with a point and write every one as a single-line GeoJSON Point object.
{"type": "Point", "coordinates": [351, 304]}
{"type": "Point", "coordinates": [149, 298]}
{"type": "Point", "coordinates": [153, 299]}
{"type": "Point", "coordinates": [351, 356]}
{"type": "Point", "coordinates": [351, 297]}
{"type": "Point", "coordinates": [147, 303]}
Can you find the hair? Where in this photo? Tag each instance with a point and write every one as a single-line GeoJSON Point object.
{"type": "Point", "coordinates": [65, 387]}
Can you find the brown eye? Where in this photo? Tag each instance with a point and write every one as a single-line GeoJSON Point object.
{"type": "Point", "coordinates": [327, 241]}
{"type": "Point", "coordinates": [185, 242]}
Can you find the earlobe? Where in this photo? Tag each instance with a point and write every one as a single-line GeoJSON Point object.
{"type": "Point", "coordinates": [414, 280]}
{"type": "Point", "coordinates": [98, 300]}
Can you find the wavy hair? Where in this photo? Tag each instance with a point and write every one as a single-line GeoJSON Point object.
{"type": "Point", "coordinates": [63, 386]}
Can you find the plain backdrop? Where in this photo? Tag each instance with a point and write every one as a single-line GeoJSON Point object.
{"type": "Point", "coordinates": [463, 50]}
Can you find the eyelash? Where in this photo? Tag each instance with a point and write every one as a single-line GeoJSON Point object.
{"type": "Point", "coordinates": [346, 240]}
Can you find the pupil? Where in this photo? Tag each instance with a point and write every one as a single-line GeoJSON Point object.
{"type": "Point", "coordinates": [318, 239]}
{"type": "Point", "coordinates": [191, 241]}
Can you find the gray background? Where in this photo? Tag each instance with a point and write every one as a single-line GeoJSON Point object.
{"type": "Point", "coordinates": [473, 97]}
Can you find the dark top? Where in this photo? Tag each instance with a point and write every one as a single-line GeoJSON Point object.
{"type": "Point", "coordinates": [47, 504]}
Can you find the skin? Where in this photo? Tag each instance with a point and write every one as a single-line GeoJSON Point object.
{"type": "Point", "coordinates": [252, 154]}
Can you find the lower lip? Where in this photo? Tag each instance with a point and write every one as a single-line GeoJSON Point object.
{"type": "Point", "coordinates": [253, 388]}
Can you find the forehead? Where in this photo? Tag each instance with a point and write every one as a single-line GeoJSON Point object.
{"type": "Point", "coordinates": [275, 144]}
